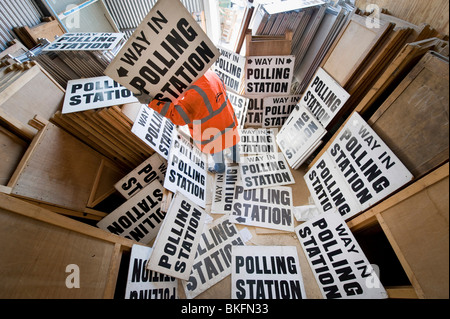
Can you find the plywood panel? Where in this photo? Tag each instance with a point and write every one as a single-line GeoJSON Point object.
{"type": "Point", "coordinates": [12, 149]}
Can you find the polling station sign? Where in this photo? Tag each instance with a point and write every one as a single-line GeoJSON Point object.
{"type": "Point", "coordinates": [340, 267]}
{"type": "Point", "coordinates": [147, 284]}
{"type": "Point", "coordinates": [265, 170]}
{"type": "Point", "coordinates": [369, 169]}
{"type": "Point", "coordinates": [269, 75]}
{"type": "Point", "coordinates": [230, 68]}
{"type": "Point", "coordinates": [176, 244]}
{"type": "Point", "coordinates": [224, 186]}
{"type": "Point", "coordinates": [86, 41]}
{"type": "Point", "coordinates": [155, 130]}
{"type": "Point", "coordinates": [255, 111]}
{"type": "Point", "coordinates": [267, 207]}
{"type": "Point", "coordinates": [139, 218]}
{"type": "Point", "coordinates": [154, 168]}
{"type": "Point", "coordinates": [94, 93]}
{"type": "Point", "coordinates": [278, 109]}
{"type": "Point", "coordinates": [186, 171]}
{"type": "Point", "coordinates": [257, 141]}
{"type": "Point", "coordinates": [166, 54]}
{"type": "Point", "coordinates": [213, 260]}
{"type": "Point", "coordinates": [266, 272]}
{"type": "Point", "coordinates": [324, 97]}
{"type": "Point", "coordinates": [240, 106]}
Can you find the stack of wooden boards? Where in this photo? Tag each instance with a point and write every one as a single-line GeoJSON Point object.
{"type": "Point", "coordinates": [49, 29]}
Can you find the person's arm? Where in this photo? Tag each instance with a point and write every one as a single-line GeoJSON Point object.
{"type": "Point", "coordinates": [176, 113]}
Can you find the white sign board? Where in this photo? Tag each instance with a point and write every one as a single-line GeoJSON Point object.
{"type": "Point", "coordinates": [339, 265]}
{"type": "Point", "coordinates": [94, 93]}
{"type": "Point", "coordinates": [213, 260]}
{"type": "Point", "coordinates": [240, 106]}
{"type": "Point", "coordinates": [360, 160]}
{"type": "Point", "coordinates": [275, 7]}
{"type": "Point", "coordinates": [230, 68]}
{"type": "Point", "coordinates": [85, 42]}
{"type": "Point", "coordinates": [155, 130]}
{"type": "Point", "coordinates": [267, 207]}
{"type": "Point", "coordinates": [146, 284]}
{"type": "Point", "coordinates": [186, 171]}
{"type": "Point", "coordinates": [324, 97]}
{"type": "Point", "coordinates": [255, 111]}
{"type": "Point", "coordinates": [266, 272]}
{"type": "Point", "coordinates": [265, 170]}
{"type": "Point", "coordinates": [257, 141]}
{"type": "Point", "coordinates": [278, 109]}
{"type": "Point", "coordinates": [153, 168]}
{"type": "Point", "coordinates": [139, 218]}
{"type": "Point", "coordinates": [269, 75]}
{"type": "Point", "coordinates": [300, 136]}
{"type": "Point", "coordinates": [223, 193]}
{"type": "Point", "coordinates": [166, 54]}
{"type": "Point", "coordinates": [176, 244]}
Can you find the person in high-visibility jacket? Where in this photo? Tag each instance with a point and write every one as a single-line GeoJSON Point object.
{"type": "Point", "coordinates": [208, 112]}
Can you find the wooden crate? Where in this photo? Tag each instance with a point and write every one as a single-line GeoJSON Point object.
{"type": "Point", "coordinates": [37, 246]}
{"type": "Point", "coordinates": [416, 223]}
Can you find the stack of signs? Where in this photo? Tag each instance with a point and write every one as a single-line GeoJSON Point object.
{"type": "Point", "coordinates": [146, 284]}
{"type": "Point", "coordinates": [324, 97]}
{"type": "Point", "coordinates": [278, 109]}
{"type": "Point", "coordinates": [265, 170]}
{"type": "Point", "coordinates": [166, 54]}
{"type": "Point", "coordinates": [186, 171]}
{"type": "Point", "coordinates": [153, 168]}
{"type": "Point", "coordinates": [300, 136]}
{"type": "Point", "coordinates": [230, 68]}
{"type": "Point", "coordinates": [223, 193]}
{"type": "Point", "coordinates": [155, 130]}
{"type": "Point", "coordinates": [94, 93]}
{"type": "Point", "coordinates": [257, 141]}
{"type": "Point", "coordinates": [240, 106]}
{"type": "Point", "coordinates": [269, 75]}
{"type": "Point", "coordinates": [175, 247]}
{"type": "Point", "coordinates": [356, 171]}
{"type": "Point", "coordinates": [266, 272]}
{"type": "Point", "coordinates": [79, 55]}
{"type": "Point", "coordinates": [139, 218]}
{"type": "Point", "coordinates": [268, 207]}
{"type": "Point", "coordinates": [339, 265]}
{"type": "Point", "coordinates": [213, 260]}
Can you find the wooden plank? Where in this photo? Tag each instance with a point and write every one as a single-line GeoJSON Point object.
{"type": "Point", "coordinates": [12, 148]}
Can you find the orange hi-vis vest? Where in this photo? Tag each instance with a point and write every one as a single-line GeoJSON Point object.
{"type": "Point", "coordinates": [207, 111]}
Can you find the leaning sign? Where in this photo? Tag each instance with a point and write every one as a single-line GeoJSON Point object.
{"type": "Point", "coordinates": [339, 265]}
{"type": "Point", "coordinates": [165, 55]}
{"type": "Point", "coordinates": [230, 68]}
{"type": "Point", "coordinates": [86, 42]}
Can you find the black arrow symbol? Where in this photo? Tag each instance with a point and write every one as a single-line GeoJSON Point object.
{"type": "Point", "coordinates": [122, 72]}
{"type": "Point", "coordinates": [240, 220]}
{"type": "Point", "coordinates": [289, 61]}
{"type": "Point", "coordinates": [249, 61]}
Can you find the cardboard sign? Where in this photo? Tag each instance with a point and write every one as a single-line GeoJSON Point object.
{"type": "Point", "coordinates": [360, 160]}
{"type": "Point", "coordinates": [176, 244]}
{"type": "Point", "coordinates": [265, 170]}
{"type": "Point", "coordinates": [213, 260]}
{"type": "Point", "coordinates": [269, 75]}
{"type": "Point", "coordinates": [186, 171]}
{"type": "Point", "coordinates": [255, 111]}
{"type": "Point", "coordinates": [153, 168]}
{"type": "Point", "coordinates": [278, 109]}
{"type": "Point", "coordinates": [240, 106]}
{"type": "Point", "coordinates": [266, 272]}
{"type": "Point", "coordinates": [166, 54]}
{"type": "Point", "coordinates": [324, 97]}
{"type": "Point", "coordinates": [224, 186]}
{"type": "Point", "coordinates": [146, 284]}
{"type": "Point", "coordinates": [230, 68]}
{"type": "Point", "coordinates": [155, 130]}
{"type": "Point", "coordinates": [258, 141]}
{"type": "Point", "coordinates": [339, 265]}
{"type": "Point", "coordinates": [268, 207]}
{"type": "Point", "coordinates": [85, 42]}
{"type": "Point", "coordinates": [139, 218]}
{"type": "Point", "coordinates": [300, 136]}
{"type": "Point", "coordinates": [94, 93]}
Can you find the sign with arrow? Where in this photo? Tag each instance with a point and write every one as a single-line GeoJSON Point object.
{"type": "Point", "coordinates": [269, 75]}
{"type": "Point", "coordinates": [166, 54]}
